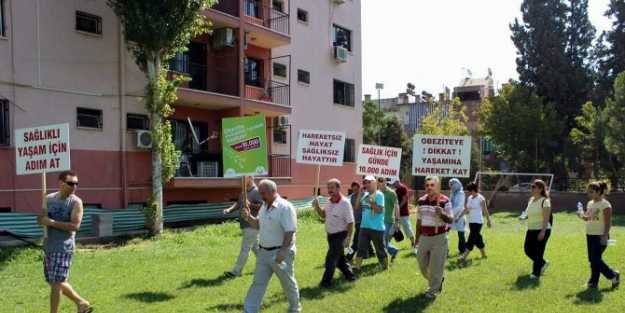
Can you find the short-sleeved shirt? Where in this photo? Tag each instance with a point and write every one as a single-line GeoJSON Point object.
{"type": "Point", "coordinates": [371, 220]}
{"type": "Point", "coordinates": [390, 198]}
{"type": "Point", "coordinates": [474, 204]}
{"type": "Point", "coordinates": [338, 215]}
{"type": "Point", "coordinates": [275, 221]}
{"type": "Point", "coordinates": [426, 211]}
{"type": "Point", "coordinates": [402, 193]}
{"type": "Point", "coordinates": [595, 225]}
{"type": "Point", "coordinates": [535, 215]}
{"type": "Point", "coordinates": [353, 199]}
{"type": "Point", "coordinates": [253, 196]}
{"type": "Point", "coordinates": [60, 209]}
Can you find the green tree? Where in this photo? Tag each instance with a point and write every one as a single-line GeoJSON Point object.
{"type": "Point", "coordinates": [392, 134]}
{"type": "Point", "coordinates": [610, 51]}
{"type": "Point", "coordinates": [554, 59]}
{"type": "Point", "coordinates": [372, 119]}
{"type": "Point", "coordinates": [155, 30]}
{"type": "Point", "coordinates": [524, 129]}
{"type": "Point", "coordinates": [589, 134]}
{"type": "Point", "coordinates": [615, 120]}
{"type": "Point", "coordinates": [446, 119]}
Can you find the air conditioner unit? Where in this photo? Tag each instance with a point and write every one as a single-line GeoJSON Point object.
{"type": "Point", "coordinates": [223, 37]}
{"type": "Point", "coordinates": [144, 139]}
{"type": "Point", "coordinates": [283, 120]}
{"type": "Point", "coordinates": [337, 2]}
{"type": "Point", "coordinates": [340, 54]}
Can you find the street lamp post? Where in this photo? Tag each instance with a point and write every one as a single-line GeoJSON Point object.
{"type": "Point", "coordinates": [379, 87]}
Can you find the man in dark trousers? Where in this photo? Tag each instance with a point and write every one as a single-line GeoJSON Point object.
{"type": "Point", "coordinates": [339, 223]}
{"type": "Point", "coordinates": [63, 220]}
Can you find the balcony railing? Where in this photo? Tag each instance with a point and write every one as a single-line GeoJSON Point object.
{"type": "Point", "coordinates": [272, 91]}
{"type": "Point", "coordinates": [267, 16]}
{"type": "Point", "coordinates": [210, 166]}
{"type": "Point", "coordinates": [280, 165]}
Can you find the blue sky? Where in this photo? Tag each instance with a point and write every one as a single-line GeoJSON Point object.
{"type": "Point", "coordinates": [428, 42]}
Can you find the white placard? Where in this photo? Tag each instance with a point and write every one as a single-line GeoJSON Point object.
{"type": "Point", "coordinates": [320, 147]}
{"type": "Point", "coordinates": [42, 149]}
{"type": "Point", "coordinates": [444, 156]}
{"type": "Point", "coordinates": [379, 161]}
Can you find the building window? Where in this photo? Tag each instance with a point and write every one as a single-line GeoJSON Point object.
{"type": "Point", "coordinates": [137, 122]}
{"type": "Point", "coordinates": [5, 129]}
{"type": "Point", "coordinates": [302, 15]}
{"type": "Point", "coordinates": [278, 5]}
{"type": "Point", "coordinates": [343, 93]}
{"type": "Point", "coordinates": [279, 69]}
{"type": "Point", "coordinates": [303, 76]}
{"type": "Point", "coordinates": [350, 150]}
{"type": "Point", "coordinates": [180, 63]}
{"type": "Point", "coordinates": [89, 118]}
{"type": "Point", "coordinates": [252, 8]}
{"type": "Point", "coordinates": [279, 135]}
{"type": "Point", "coordinates": [342, 37]}
{"type": "Point", "coordinates": [5, 210]}
{"type": "Point", "coordinates": [88, 23]}
{"type": "Point", "coordinates": [253, 70]}
{"type": "Point", "coordinates": [3, 26]}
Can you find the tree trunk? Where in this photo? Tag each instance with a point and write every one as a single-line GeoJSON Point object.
{"type": "Point", "coordinates": [154, 67]}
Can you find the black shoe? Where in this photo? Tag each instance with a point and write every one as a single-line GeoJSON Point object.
{"type": "Point", "coordinates": [351, 277]}
{"type": "Point", "coordinates": [230, 275]}
{"type": "Point", "coordinates": [592, 286]}
{"type": "Point", "coordinates": [616, 280]}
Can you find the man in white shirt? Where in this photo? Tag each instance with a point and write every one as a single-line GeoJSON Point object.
{"type": "Point", "coordinates": [277, 223]}
{"type": "Point", "coordinates": [339, 222]}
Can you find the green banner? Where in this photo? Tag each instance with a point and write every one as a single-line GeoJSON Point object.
{"type": "Point", "coordinates": [244, 141]}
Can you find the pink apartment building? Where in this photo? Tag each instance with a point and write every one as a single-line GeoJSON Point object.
{"type": "Point", "coordinates": [298, 62]}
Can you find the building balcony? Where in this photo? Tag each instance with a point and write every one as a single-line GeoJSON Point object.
{"type": "Point", "coordinates": [215, 89]}
{"type": "Point", "coordinates": [264, 25]}
{"type": "Point", "coordinates": [204, 171]}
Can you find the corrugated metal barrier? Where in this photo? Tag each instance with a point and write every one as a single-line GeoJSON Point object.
{"type": "Point", "coordinates": [131, 219]}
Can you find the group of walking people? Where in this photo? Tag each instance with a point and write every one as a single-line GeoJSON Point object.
{"type": "Point", "coordinates": [364, 221]}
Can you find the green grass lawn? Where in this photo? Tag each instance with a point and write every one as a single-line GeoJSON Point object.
{"type": "Point", "coordinates": [181, 272]}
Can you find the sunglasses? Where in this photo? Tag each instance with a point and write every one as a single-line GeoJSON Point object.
{"type": "Point", "coordinates": [71, 183]}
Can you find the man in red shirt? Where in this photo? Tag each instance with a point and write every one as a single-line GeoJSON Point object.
{"type": "Point", "coordinates": [434, 215]}
{"type": "Point", "coordinates": [404, 212]}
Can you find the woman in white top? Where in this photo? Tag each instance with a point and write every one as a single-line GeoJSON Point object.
{"type": "Point", "coordinates": [598, 217]}
{"type": "Point", "coordinates": [539, 220]}
{"type": "Point", "coordinates": [475, 206]}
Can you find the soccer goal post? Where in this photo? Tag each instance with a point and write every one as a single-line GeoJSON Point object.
{"type": "Point", "coordinates": [495, 182]}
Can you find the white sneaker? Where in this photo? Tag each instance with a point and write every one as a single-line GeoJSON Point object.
{"type": "Point", "coordinates": [415, 250]}
{"type": "Point", "coordinates": [544, 268]}
{"type": "Point", "coordinates": [532, 276]}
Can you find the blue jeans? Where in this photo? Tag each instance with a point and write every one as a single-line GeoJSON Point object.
{"type": "Point", "coordinates": [388, 235]}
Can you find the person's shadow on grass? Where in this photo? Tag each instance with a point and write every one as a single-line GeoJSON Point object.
{"type": "Point", "coordinates": [589, 296]}
{"type": "Point", "coordinates": [201, 282]}
{"type": "Point", "coordinates": [524, 282]}
{"type": "Point", "coordinates": [149, 297]}
{"type": "Point", "coordinates": [417, 303]}
{"type": "Point", "coordinates": [317, 292]}
{"type": "Point", "coordinates": [460, 264]}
